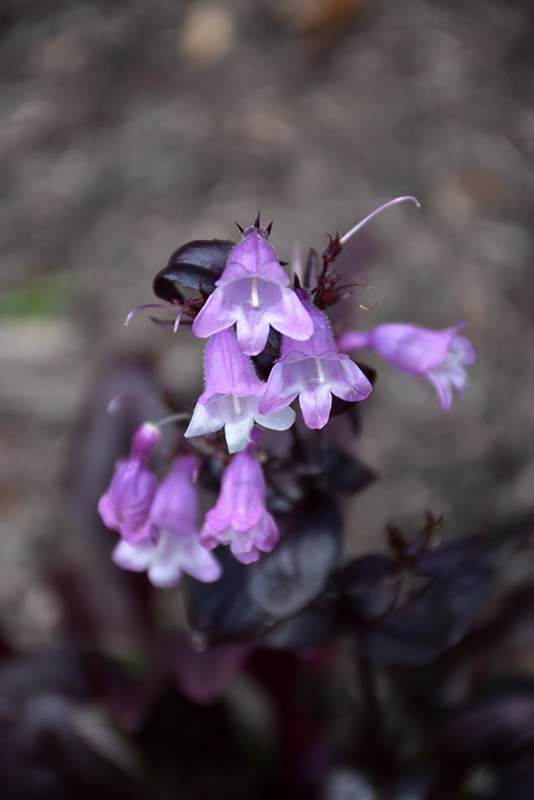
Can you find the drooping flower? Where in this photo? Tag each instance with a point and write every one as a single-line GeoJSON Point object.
{"type": "Point", "coordinates": [313, 370]}
{"type": "Point", "coordinates": [177, 549]}
{"type": "Point", "coordinates": [175, 505]}
{"type": "Point", "coordinates": [165, 560]}
{"type": "Point", "coordinates": [126, 504]}
{"type": "Point", "coordinates": [253, 292]}
{"type": "Point", "coordinates": [440, 356]}
{"type": "Point", "coordinates": [231, 395]}
{"type": "Point", "coordinates": [240, 518]}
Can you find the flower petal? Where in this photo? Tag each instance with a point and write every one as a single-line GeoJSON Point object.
{"type": "Point", "coordinates": [252, 333]}
{"type": "Point", "coordinates": [237, 433]}
{"type": "Point", "coordinates": [206, 419]}
{"type": "Point", "coordinates": [291, 317]}
{"type": "Point", "coordinates": [227, 369]}
{"type": "Point", "coordinates": [346, 380]}
{"type": "Point", "coordinates": [316, 405]}
{"type": "Point", "coordinates": [166, 560]}
{"type": "Point", "coordinates": [277, 421]}
{"type": "Point", "coordinates": [175, 505]}
{"type": "Point", "coordinates": [213, 317]}
{"type": "Point", "coordinates": [282, 388]}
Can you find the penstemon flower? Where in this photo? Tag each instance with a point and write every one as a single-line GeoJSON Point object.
{"type": "Point", "coordinates": [126, 504]}
{"type": "Point", "coordinates": [165, 560]}
{"type": "Point", "coordinates": [177, 549]}
{"type": "Point", "coordinates": [253, 292]}
{"type": "Point", "coordinates": [231, 396]}
{"type": "Point", "coordinates": [313, 370]}
{"type": "Point", "coordinates": [240, 517]}
{"type": "Point", "coordinates": [440, 356]}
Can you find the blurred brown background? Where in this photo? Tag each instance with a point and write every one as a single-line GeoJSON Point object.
{"type": "Point", "coordinates": [129, 128]}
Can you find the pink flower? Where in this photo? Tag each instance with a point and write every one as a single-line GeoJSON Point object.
{"type": "Point", "coordinates": [313, 370]}
{"type": "Point", "coordinates": [253, 292]}
{"type": "Point", "coordinates": [126, 504]}
{"type": "Point", "coordinates": [439, 356]}
{"type": "Point", "coordinates": [240, 518]}
{"type": "Point", "coordinates": [231, 396]}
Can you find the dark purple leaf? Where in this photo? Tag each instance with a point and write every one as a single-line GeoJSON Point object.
{"type": "Point", "coordinates": [102, 437]}
{"type": "Point", "coordinates": [333, 471]}
{"type": "Point", "coordinates": [435, 620]}
{"type": "Point", "coordinates": [349, 475]}
{"type": "Point", "coordinates": [265, 360]}
{"type": "Point", "coordinates": [309, 628]}
{"type": "Point", "coordinates": [100, 600]}
{"type": "Point", "coordinates": [195, 265]}
{"type": "Point", "coordinates": [296, 572]}
{"type": "Point", "coordinates": [492, 731]}
{"type": "Point", "coordinates": [433, 563]}
{"type": "Point", "coordinates": [515, 780]}
{"type": "Point", "coordinates": [221, 612]}
{"type": "Point", "coordinates": [50, 671]}
{"type": "Point", "coordinates": [48, 749]}
{"type": "Point", "coordinates": [368, 587]}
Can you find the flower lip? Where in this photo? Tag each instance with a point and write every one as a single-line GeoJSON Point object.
{"type": "Point", "coordinates": [166, 559]}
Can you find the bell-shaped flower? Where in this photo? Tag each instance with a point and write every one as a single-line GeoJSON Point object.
{"type": "Point", "coordinates": [240, 518]}
{"type": "Point", "coordinates": [165, 560]}
{"type": "Point", "coordinates": [253, 292]}
{"type": "Point", "coordinates": [177, 548]}
{"type": "Point", "coordinates": [439, 356]}
{"type": "Point", "coordinates": [231, 396]}
{"type": "Point", "coordinates": [175, 505]}
{"type": "Point", "coordinates": [126, 504]}
{"type": "Point", "coordinates": [313, 370]}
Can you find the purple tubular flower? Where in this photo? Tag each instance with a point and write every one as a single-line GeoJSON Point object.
{"type": "Point", "coordinates": [126, 504]}
{"type": "Point", "coordinates": [175, 505]}
{"type": "Point", "coordinates": [240, 518]}
{"type": "Point", "coordinates": [439, 356]}
{"type": "Point", "coordinates": [253, 292]}
{"type": "Point", "coordinates": [313, 370]}
{"type": "Point", "coordinates": [177, 549]}
{"type": "Point", "coordinates": [231, 396]}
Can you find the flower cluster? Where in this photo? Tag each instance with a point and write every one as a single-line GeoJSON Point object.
{"type": "Point", "coordinates": [157, 523]}
{"type": "Point", "coordinates": [252, 316]}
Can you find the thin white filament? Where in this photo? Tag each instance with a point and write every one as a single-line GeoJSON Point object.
{"type": "Point", "coordinates": [344, 239]}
